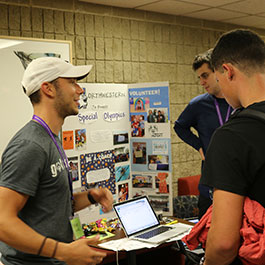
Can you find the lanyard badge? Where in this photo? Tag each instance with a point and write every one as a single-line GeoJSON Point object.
{"type": "Point", "coordinates": [219, 112]}
{"type": "Point", "coordinates": [77, 227]}
{"type": "Point", "coordinates": [61, 152]}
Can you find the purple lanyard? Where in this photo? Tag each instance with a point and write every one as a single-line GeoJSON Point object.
{"type": "Point", "coordinates": [219, 113]}
{"type": "Point", "coordinates": [61, 151]}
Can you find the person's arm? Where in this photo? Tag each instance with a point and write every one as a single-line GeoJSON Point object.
{"type": "Point", "coordinates": [183, 126]}
{"type": "Point", "coordinates": [16, 233]}
{"type": "Point", "coordinates": [102, 196]}
{"type": "Point", "coordinates": [223, 238]}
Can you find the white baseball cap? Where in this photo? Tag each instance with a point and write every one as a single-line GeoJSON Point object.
{"type": "Point", "coordinates": [47, 69]}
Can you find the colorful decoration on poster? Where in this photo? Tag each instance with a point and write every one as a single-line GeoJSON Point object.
{"type": "Point", "coordinates": [80, 139]}
{"type": "Point", "coordinates": [120, 138]}
{"type": "Point", "coordinates": [68, 140]}
{"type": "Point", "coordinates": [73, 168]}
{"type": "Point", "coordinates": [157, 115]}
{"type": "Point", "coordinates": [122, 173]}
{"type": "Point", "coordinates": [161, 182]}
{"type": "Point", "coordinates": [139, 104]}
{"type": "Point", "coordinates": [154, 132]}
{"type": "Point", "coordinates": [158, 162]}
{"type": "Point", "coordinates": [123, 192]}
{"type": "Point", "coordinates": [142, 181]}
{"type": "Point", "coordinates": [139, 153]}
{"type": "Point", "coordinates": [95, 162]}
{"type": "Point", "coordinates": [160, 147]}
{"type": "Point", "coordinates": [83, 99]}
{"type": "Point", "coordinates": [137, 125]}
{"type": "Point", "coordinates": [121, 154]}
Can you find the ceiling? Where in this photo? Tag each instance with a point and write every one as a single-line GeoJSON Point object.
{"type": "Point", "coordinates": [249, 13]}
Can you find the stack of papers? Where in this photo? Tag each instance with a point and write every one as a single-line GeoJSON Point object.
{"type": "Point", "coordinates": [130, 244]}
{"type": "Point", "coordinates": [126, 244]}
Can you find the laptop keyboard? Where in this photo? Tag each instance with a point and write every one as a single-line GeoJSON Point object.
{"type": "Point", "coordinates": [154, 232]}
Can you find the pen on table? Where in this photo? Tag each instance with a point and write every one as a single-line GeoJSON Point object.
{"type": "Point", "coordinates": [173, 222]}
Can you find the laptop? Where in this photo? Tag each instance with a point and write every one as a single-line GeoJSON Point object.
{"type": "Point", "coordinates": [140, 222]}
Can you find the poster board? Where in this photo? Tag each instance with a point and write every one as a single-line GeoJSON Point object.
{"type": "Point", "coordinates": [101, 144]}
{"type": "Point", "coordinates": [150, 144]}
{"type": "Point", "coordinates": [15, 54]}
{"type": "Point", "coordinates": [96, 141]}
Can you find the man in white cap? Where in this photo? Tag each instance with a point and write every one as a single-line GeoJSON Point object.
{"type": "Point", "coordinates": [36, 197]}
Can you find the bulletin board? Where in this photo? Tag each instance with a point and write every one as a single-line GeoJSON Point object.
{"type": "Point", "coordinates": [15, 54]}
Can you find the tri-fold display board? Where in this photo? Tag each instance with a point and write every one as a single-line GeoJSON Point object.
{"type": "Point", "coordinates": [121, 140]}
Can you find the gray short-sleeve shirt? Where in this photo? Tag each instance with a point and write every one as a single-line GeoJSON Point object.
{"type": "Point", "coordinates": [32, 165]}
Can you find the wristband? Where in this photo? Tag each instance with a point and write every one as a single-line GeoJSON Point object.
{"type": "Point", "coordinates": [90, 198]}
{"type": "Point", "coordinates": [42, 245]}
{"type": "Point", "coordinates": [55, 248]}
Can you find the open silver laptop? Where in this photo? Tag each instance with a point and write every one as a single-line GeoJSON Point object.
{"type": "Point", "coordinates": [140, 222]}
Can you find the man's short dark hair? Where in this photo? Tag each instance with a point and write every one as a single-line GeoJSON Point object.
{"type": "Point", "coordinates": [201, 59]}
{"type": "Point", "coordinates": [35, 97]}
{"type": "Point", "coordinates": [242, 48]}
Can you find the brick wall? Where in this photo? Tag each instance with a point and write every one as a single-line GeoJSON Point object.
{"type": "Point", "coordinates": [125, 46]}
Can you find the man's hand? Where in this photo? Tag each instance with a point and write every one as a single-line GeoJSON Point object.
{"type": "Point", "coordinates": [103, 197]}
{"type": "Point", "coordinates": [79, 252]}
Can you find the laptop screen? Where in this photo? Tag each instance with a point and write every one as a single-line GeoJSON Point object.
{"type": "Point", "coordinates": [136, 215]}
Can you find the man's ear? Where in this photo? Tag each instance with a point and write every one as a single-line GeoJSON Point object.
{"type": "Point", "coordinates": [48, 89]}
{"type": "Point", "coordinates": [228, 70]}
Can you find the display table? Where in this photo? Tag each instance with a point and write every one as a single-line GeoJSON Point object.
{"type": "Point", "coordinates": [163, 254]}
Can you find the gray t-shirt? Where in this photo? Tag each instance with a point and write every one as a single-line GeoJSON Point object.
{"type": "Point", "coordinates": [32, 165]}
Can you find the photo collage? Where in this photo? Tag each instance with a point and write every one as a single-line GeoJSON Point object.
{"type": "Point", "coordinates": [150, 145]}
{"type": "Point", "coordinates": [129, 155]}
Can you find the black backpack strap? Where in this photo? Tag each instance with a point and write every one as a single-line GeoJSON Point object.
{"type": "Point", "coordinates": [252, 113]}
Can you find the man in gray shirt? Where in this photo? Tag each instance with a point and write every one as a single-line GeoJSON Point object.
{"type": "Point", "coordinates": [36, 197]}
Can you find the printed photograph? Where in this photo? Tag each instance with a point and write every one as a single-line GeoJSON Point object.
{"type": "Point", "coordinates": [80, 139]}
{"type": "Point", "coordinates": [120, 138]}
{"type": "Point", "coordinates": [161, 181]}
{"type": "Point", "coordinates": [142, 181]}
{"type": "Point", "coordinates": [137, 125]}
{"type": "Point", "coordinates": [123, 190]}
{"type": "Point", "coordinates": [121, 154]}
{"type": "Point", "coordinates": [68, 140]}
{"type": "Point", "coordinates": [139, 104]}
{"type": "Point", "coordinates": [73, 168]}
{"type": "Point", "coordinates": [139, 152]}
{"type": "Point", "coordinates": [122, 173]}
{"type": "Point", "coordinates": [158, 162]}
{"type": "Point", "coordinates": [158, 115]}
